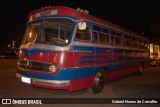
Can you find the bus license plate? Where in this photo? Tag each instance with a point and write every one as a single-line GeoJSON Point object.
{"type": "Point", "coordinates": [26, 80]}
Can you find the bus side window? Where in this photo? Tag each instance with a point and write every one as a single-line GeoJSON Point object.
{"type": "Point", "coordinates": [112, 37]}
{"type": "Point", "coordinates": [105, 32]}
{"type": "Point", "coordinates": [83, 35]}
{"type": "Point", "coordinates": [107, 38]}
{"type": "Point", "coordinates": [102, 38]}
{"type": "Point", "coordinates": [141, 44]}
{"type": "Point", "coordinates": [128, 40]}
{"type": "Point", "coordinates": [112, 40]}
{"type": "Point", "coordinates": [95, 35]}
{"type": "Point", "coordinates": [119, 39]}
{"type": "Point", "coordinates": [134, 42]}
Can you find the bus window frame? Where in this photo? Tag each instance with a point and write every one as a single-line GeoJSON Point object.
{"type": "Point", "coordinates": [79, 40]}
{"type": "Point", "coordinates": [112, 42]}
{"type": "Point", "coordinates": [120, 37]}
{"type": "Point", "coordinates": [134, 42]}
{"type": "Point", "coordinates": [101, 30]}
{"type": "Point", "coordinates": [38, 32]}
{"type": "Point", "coordinates": [98, 36]}
{"type": "Point", "coordinates": [41, 26]}
{"type": "Point", "coordinates": [128, 40]}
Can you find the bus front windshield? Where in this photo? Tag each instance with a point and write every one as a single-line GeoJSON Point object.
{"type": "Point", "coordinates": [53, 31]}
{"type": "Point", "coordinates": [31, 32]}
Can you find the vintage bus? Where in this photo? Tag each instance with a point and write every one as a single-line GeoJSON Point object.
{"type": "Point", "coordinates": [69, 49]}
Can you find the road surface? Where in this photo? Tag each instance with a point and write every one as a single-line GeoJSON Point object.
{"type": "Point", "coordinates": [146, 86]}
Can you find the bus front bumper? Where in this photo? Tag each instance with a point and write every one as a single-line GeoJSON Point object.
{"type": "Point", "coordinates": [51, 83]}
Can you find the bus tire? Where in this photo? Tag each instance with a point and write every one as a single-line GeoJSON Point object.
{"type": "Point", "coordinates": [99, 82]}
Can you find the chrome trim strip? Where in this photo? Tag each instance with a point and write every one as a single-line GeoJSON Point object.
{"type": "Point", "coordinates": [30, 46]}
{"type": "Point", "coordinates": [49, 47]}
{"type": "Point", "coordinates": [46, 82]}
{"type": "Point", "coordinates": [82, 51]}
{"type": "Point", "coordinates": [78, 43]}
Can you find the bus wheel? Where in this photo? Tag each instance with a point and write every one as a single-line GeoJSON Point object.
{"type": "Point", "coordinates": [99, 82]}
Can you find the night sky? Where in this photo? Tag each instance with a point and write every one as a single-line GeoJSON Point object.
{"type": "Point", "coordinates": [135, 15]}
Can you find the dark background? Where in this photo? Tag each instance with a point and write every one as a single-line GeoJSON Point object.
{"type": "Point", "coordinates": [140, 16]}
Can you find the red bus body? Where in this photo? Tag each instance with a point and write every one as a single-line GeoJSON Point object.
{"type": "Point", "coordinates": [78, 61]}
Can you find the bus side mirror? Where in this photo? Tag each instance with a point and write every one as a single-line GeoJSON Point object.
{"type": "Point", "coordinates": [82, 25]}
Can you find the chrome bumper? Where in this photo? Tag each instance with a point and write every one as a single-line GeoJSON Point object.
{"type": "Point", "coordinates": [46, 82]}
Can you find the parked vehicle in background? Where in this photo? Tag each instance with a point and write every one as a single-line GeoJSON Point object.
{"type": "Point", "coordinates": [8, 55]}
{"type": "Point", "coordinates": [155, 62]}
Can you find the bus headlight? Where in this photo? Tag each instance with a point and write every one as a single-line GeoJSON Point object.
{"type": "Point", "coordinates": [52, 68]}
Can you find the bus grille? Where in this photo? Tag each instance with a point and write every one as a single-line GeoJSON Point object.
{"type": "Point", "coordinates": [34, 65]}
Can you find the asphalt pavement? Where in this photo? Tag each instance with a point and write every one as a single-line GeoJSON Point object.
{"type": "Point", "coordinates": [145, 86]}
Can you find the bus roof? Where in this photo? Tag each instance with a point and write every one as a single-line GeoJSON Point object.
{"type": "Point", "coordinates": [66, 11]}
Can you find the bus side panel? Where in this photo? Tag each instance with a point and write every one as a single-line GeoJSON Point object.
{"type": "Point", "coordinates": [103, 59]}
{"type": "Point", "coordinates": [84, 67]}
{"type": "Point", "coordinates": [103, 56]}
{"type": "Point", "coordinates": [82, 83]}
{"type": "Point", "coordinates": [125, 62]}
{"type": "Point", "coordinates": [118, 56]}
